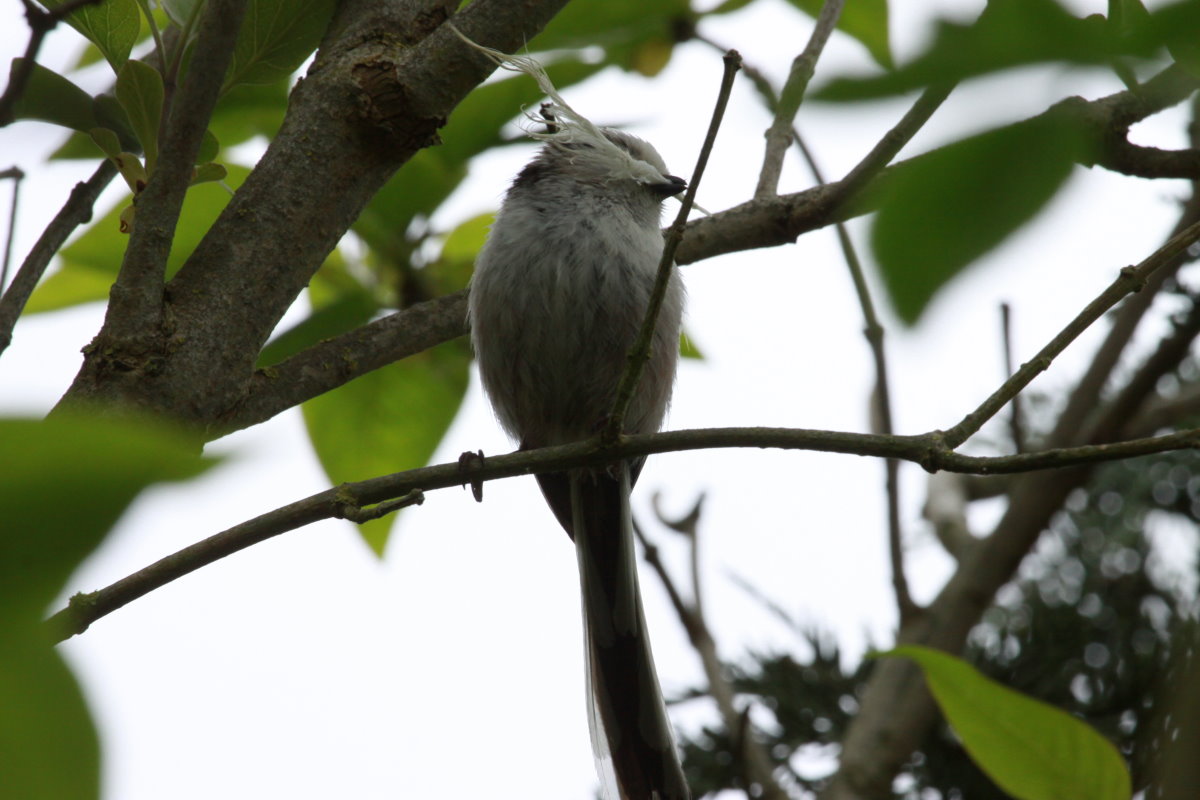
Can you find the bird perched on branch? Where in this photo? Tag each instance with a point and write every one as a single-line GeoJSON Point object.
{"type": "Point", "coordinates": [559, 294]}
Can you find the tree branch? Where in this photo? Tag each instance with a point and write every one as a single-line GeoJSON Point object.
{"type": "Point", "coordinates": [135, 309]}
{"type": "Point", "coordinates": [755, 762]}
{"type": "Point", "coordinates": [15, 175]}
{"type": "Point", "coordinates": [925, 450]}
{"type": "Point", "coordinates": [779, 135]}
{"type": "Point", "coordinates": [75, 212]}
{"type": "Point", "coordinates": [1131, 279]}
{"type": "Point", "coordinates": [40, 23]}
{"type": "Point", "coordinates": [639, 354]}
{"type": "Point", "coordinates": [383, 81]}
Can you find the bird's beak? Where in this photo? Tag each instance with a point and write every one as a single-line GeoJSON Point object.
{"type": "Point", "coordinates": [670, 187]}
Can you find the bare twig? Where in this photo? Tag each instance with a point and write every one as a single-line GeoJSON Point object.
{"type": "Point", "coordinates": [1016, 425]}
{"type": "Point", "coordinates": [881, 401]}
{"type": "Point", "coordinates": [75, 212]}
{"type": "Point", "coordinates": [1131, 279]}
{"type": "Point", "coordinates": [1086, 394]}
{"type": "Point", "coordinates": [40, 23]}
{"type": "Point", "coordinates": [639, 354]}
{"type": "Point", "coordinates": [16, 175]}
{"type": "Point", "coordinates": [779, 135]}
{"type": "Point", "coordinates": [756, 765]}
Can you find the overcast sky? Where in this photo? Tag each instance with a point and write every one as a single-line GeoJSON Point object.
{"type": "Point", "coordinates": [307, 668]}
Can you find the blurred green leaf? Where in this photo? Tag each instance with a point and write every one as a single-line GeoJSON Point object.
{"type": "Point", "coordinates": [248, 111]}
{"type": "Point", "coordinates": [89, 264]}
{"type": "Point", "coordinates": [613, 23]}
{"type": "Point", "coordinates": [865, 20]}
{"type": "Point", "coordinates": [66, 481]}
{"type": "Point", "coordinates": [941, 211]}
{"type": "Point", "coordinates": [111, 115]}
{"type": "Point", "coordinates": [112, 25]}
{"type": "Point", "coordinates": [209, 148]}
{"type": "Point", "coordinates": [1007, 34]}
{"type": "Point", "coordinates": [46, 732]}
{"type": "Point", "coordinates": [204, 173]}
{"type": "Point", "coordinates": [140, 93]}
{"type": "Point", "coordinates": [688, 348]}
{"type": "Point", "coordinates": [1032, 750]}
{"type": "Point", "coordinates": [181, 11]}
{"type": "Point", "coordinates": [388, 420]}
{"type": "Point", "coordinates": [52, 98]}
{"type": "Point", "coordinates": [107, 141]}
{"type": "Point", "coordinates": [276, 37]}
{"type": "Point", "coordinates": [454, 265]}
{"type": "Point", "coordinates": [342, 314]}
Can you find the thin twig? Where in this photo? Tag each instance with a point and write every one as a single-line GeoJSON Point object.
{"type": "Point", "coordinates": [639, 354]}
{"type": "Point", "coordinates": [926, 450]}
{"type": "Point", "coordinates": [1086, 394]}
{"type": "Point", "coordinates": [40, 23]}
{"type": "Point", "coordinates": [779, 135]}
{"type": "Point", "coordinates": [754, 760]}
{"type": "Point", "coordinates": [1016, 425]}
{"type": "Point", "coordinates": [1131, 279]}
{"type": "Point", "coordinates": [16, 175]}
{"type": "Point", "coordinates": [75, 212]}
{"type": "Point", "coordinates": [881, 402]}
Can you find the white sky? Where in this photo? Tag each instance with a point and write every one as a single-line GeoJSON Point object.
{"type": "Point", "coordinates": [306, 668]}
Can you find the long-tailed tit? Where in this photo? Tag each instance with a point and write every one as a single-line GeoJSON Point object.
{"type": "Point", "coordinates": [559, 293]}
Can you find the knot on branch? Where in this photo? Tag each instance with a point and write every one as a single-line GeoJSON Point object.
{"type": "Point", "coordinates": [387, 107]}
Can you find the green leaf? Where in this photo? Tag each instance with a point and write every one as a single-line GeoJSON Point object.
{"type": "Point", "coordinates": [345, 313]}
{"type": "Point", "coordinates": [46, 733]}
{"type": "Point", "coordinates": [276, 37]}
{"type": "Point", "coordinates": [612, 24]}
{"type": "Point", "coordinates": [181, 11]}
{"type": "Point", "coordinates": [454, 265]}
{"type": "Point", "coordinates": [52, 98]}
{"type": "Point", "coordinates": [388, 420]}
{"type": "Point", "coordinates": [1007, 34]}
{"type": "Point", "coordinates": [46, 725]}
{"type": "Point", "coordinates": [107, 141]}
{"type": "Point", "coordinates": [140, 93]}
{"type": "Point", "coordinates": [1031, 750]}
{"type": "Point", "coordinates": [89, 264]}
{"type": "Point", "coordinates": [205, 173]}
{"type": "Point", "coordinates": [864, 20]}
{"type": "Point", "coordinates": [111, 115]}
{"type": "Point", "coordinates": [112, 25]}
{"type": "Point", "coordinates": [688, 348]}
{"type": "Point", "coordinates": [248, 111]}
{"type": "Point", "coordinates": [209, 148]}
{"type": "Point", "coordinates": [943, 210]}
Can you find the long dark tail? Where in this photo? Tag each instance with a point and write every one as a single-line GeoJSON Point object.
{"type": "Point", "coordinates": [628, 704]}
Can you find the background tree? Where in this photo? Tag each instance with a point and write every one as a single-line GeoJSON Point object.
{"type": "Point", "coordinates": [197, 291]}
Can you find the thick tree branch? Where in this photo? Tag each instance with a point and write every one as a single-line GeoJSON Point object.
{"type": "Point", "coordinates": [135, 307]}
{"type": "Point", "coordinates": [338, 360]}
{"type": "Point", "coordinates": [75, 212]}
{"type": "Point", "coordinates": [925, 450]}
{"type": "Point", "coordinates": [384, 80]}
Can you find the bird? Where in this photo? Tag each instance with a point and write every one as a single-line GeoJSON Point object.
{"type": "Point", "coordinates": [557, 298]}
